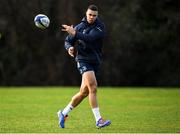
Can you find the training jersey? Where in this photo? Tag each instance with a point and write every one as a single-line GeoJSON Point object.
{"type": "Point", "coordinates": [88, 41]}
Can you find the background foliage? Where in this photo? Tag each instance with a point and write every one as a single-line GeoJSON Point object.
{"type": "Point", "coordinates": [141, 47]}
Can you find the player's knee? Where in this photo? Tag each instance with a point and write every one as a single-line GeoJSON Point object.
{"type": "Point", "coordinates": [93, 88]}
{"type": "Point", "coordinates": [93, 85]}
{"type": "Point", "coordinates": [84, 93]}
{"type": "Point", "coordinates": [93, 91]}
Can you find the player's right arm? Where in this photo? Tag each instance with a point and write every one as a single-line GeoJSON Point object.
{"type": "Point", "coordinates": [69, 45]}
{"type": "Point", "coordinates": [70, 42]}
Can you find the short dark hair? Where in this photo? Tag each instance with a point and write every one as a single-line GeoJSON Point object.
{"type": "Point", "coordinates": [93, 7]}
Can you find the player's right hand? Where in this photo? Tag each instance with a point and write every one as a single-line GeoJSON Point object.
{"type": "Point", "coordinates": [71, 51]}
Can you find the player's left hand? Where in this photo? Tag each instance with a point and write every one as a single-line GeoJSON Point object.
{"type": "Point", "coordinates": [69, 29]}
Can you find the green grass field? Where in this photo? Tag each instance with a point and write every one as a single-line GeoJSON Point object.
{"type": "Point", "coordinates": [132, 110]}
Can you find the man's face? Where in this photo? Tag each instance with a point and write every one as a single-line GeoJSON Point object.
{"type": "Point", "coordinates": [91, 16]}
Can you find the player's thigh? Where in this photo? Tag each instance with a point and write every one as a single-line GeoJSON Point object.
{"type": "Point", "coordinates": [84, 88]}
{"type": "Point", "coordinates": [89, 79]}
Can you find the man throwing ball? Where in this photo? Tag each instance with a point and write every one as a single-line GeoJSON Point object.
{"type": "Point", "coordinates": [84, 42]}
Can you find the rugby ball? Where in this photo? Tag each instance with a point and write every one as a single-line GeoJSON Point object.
{"type": "Point", "coordinates": [41, 21]}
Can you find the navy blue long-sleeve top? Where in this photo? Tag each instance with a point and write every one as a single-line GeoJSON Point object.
{"type": "Point", "coordinates": [88, 41]}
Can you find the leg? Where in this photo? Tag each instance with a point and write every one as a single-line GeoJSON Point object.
{"type": "Point", "coordinates": [76, 100]}
{"type": "Point", "coordinates": [83, 93]}
{"type": "Point", "coordinates": [90, 80]}
{"type": "Point", "coordinates": [91, 83]}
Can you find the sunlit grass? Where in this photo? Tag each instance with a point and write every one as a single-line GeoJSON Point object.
{"type": "Point", "coordinates": [33, 110]}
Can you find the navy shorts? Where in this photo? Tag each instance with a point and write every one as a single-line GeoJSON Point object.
{"type": "Point", "coordinates": [85, 66]}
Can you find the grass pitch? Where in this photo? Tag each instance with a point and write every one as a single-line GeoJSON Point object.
{"type": "Point", "coordinates": [132, 110]}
